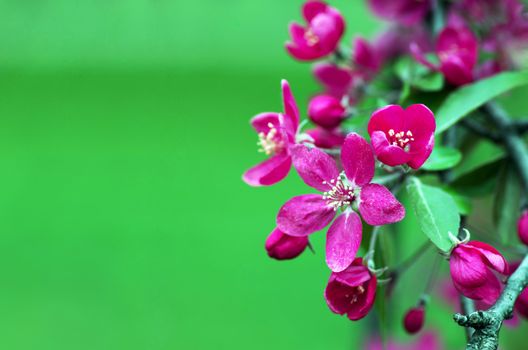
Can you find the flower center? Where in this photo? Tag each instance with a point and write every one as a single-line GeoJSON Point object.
{"type": "Point", "coordinates": [310, 37]}
{"type": "Point", "coordinates": [270, 142]}
{"type": "Point", "coordinates": [340, 194]}
{"type": "Point", "coordinates": [356, 292]}
{"type": "Point", "coordinates": [400, 139]}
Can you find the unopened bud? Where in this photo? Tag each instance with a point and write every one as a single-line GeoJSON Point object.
{"type": "Point", "coordinates": [326, 111]}
{"type": "Point", "coordinates": [281, 246]}
{"type": "Point", "coordinates": [414, 319]}
{"type": "Point", "coordinates": [522, 227]}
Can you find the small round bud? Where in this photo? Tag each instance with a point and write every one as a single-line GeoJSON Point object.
{"type": "Point", "coordinates": [326, 111]}
{"type": "Point", "coordinates": [414, 319]}
{"type": "Point", "coordinates": [281, 246]}
{"type": "Point", "coordinates": [522, 227]}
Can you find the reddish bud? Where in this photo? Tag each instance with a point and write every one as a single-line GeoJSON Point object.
{"type": "Point", "coordinates": [281, 246]}
{"type": "Point", "coordinates": [414, 319]}
{"type": "Point", "coordinates": [326, 111]}
{"type": "Point", "coordinates": [522, 227]}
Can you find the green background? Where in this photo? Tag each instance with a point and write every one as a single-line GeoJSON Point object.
{"type": "Point", "coordinates": [124, 222]}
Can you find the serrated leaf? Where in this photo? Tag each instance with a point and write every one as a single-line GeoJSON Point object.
{"type": "Point", "coordinates": [466, 99]}
{"type": "Point", "coordinates": [506, 204]}
{"type": "Point", "coordinates": [436, 211]}
{"type": "Point", "coordinates": [442, 158]}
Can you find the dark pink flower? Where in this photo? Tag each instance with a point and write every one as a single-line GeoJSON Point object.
{"type": "Point", "coordinates": [306, 214]}
{"type": "Point", "coordinates": [405, 12]}
{"type": "Point", "coordinates": [276, 133]}
{"type": "Point", "coordinates": [457, 51]}
{"type": "Point", "coordinates": [281, 246]}
{"type": "Point", "coordinates": [414, 319]}
{"type": "Point", "coordinates": [365, 60]}
{"type": "Point", "coordinates": [337, 81]}
{"type": "Point", "coordinates": [402, 136]}
{"type": "Point", "coordinates": [522, 227]}
{"type": "Point", "coordinates": [320, 37]}
{"type": "Point", "coordinates": [472, 265]}
{"type": "Point", "coordinates": [351, 291]}
{"type": "Point", "coordinates": [324, 138]}
{"type": "Point", "coordinates": [326, 111]}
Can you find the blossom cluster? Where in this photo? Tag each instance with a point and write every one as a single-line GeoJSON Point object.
{"type": "Point", "coordinates": [345, 165]}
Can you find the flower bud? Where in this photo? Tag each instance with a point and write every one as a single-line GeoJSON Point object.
{"type": "Point", "coordinates": [281, 246]}
{"type": "Point", "coordinates": [326, 111]}
{"type": "Point", "coordinates": [414, 319]}
{"type": "Point", "coordinates": [522, 227]}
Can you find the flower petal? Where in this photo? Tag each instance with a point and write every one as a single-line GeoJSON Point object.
{"type": "Point", "coordinates": [335, 79]}
{"type": "Point", "coordinates": [291, 111]}
{"type": "Point", "coordinates": [386, 153]}
{"type": "Point", "coordinates": [386, 118]}
{"type": "Point", "coordinates": [261, 121]}
{"type": "Point", "coordinates": [281, 246]}
{"type": "Point", "coordinates": [467, 268]}
{"type": "Point", "coordinates": [358, 160]}
{"type": "Point", "coordinates": [312, 8]}
{"type": "Point", "coordinates": [303, 215]}
{"type": "Point", "coordinates": [343, 241]}
{"type": "Point", "coordinates": [269, 172]}
{"type": "Point", "coordinates": [378, 206]}
{"type": "Point", "coordinates": [492, 257]}
{"type": "Point", "coordinates": [314, 166]}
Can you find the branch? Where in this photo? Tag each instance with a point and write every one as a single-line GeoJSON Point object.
{"type": "Point", "coordinates": [521, 126]}
{"type": "Point", "coordinates": [487, 323]}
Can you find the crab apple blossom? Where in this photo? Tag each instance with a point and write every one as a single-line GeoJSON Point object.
{"type": "Point", "coordinates": [457, 51]}
{"type": "Point", "coordinates": [351, 291]}
{"type": "Point", "coordinates": [306, 214]}
{"type": "Point", "coordinates": [472, 267]}
{"type": "Point", "coordinates": [321, 35]}
{"type": "Point", "coordinates": [402, 136]}
{"type": "Point", "coordinates": [405, 12]}
{"type": "Point", "coordinates": [276, 132]}
{"type": "Point", "coordinates": [281, 246]}
{"type": "Point", "coordinates": [365, 59]}
{"type": "Point", "coordinates": [325, 138]}
{"type": "Point", "coordinates": [522, 227]}
{"type": "Point", "coordinates": [413, 320]}
{"type": "Point", "coordinates": [326, 111]}
{"type": "Point", "coordinates": [337, 81]}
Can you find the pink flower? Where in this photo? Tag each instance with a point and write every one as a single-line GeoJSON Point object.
{"type": "Point", "coordinates": [306, 214]}
{"type": "Point", "coordinates": [457, 51]}
{"type": "Point", "coordinates": [402, 136]}
{"type": "Point", "coordinates": [472, 265]}
{"type": "Point", "coordinates": [406, 12]}
{"type": "Point", "coordinates": [276, 133]}
{"type": "Point", "coordinates": [326, 111]}
{"type": "Point", "coordinates": [365, 59]}
{"type": "Point", "coordinates": [522, 227]}
{"type": "Point", "coordinates": [324, 138]}
{"type": "Point", "coordinates": [414, 319]}
{"type": "Point", "coordinates": [320, 37]}
{"type": "Point", "coordinates": [281, 246]}
{"type": "Point", "coordinates": [351, 291]}
{"type": "Point", "coordinates": [337, 81]}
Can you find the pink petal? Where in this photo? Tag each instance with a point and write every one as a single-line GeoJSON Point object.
{"type": "Point", "coordinates": [467, 268]}
{"type": "Point", "coordinates": [311, 9]}
{"type": "Point", "coordinates": [269, 172]}
{"type": "Point", "coordinates": [378, 206]}
{"type": "Point", "coordinates": [364, 55]}
{"type": "Point", "coordinates": [366, 301]}
{"type": "Point", "coordinates": [492, 256]}
{"type": "Point", "coordinates": [283, 247]}
{"type": "Point", "coordinates": [261, 121]}
{"type": "Point", "coordinates": [291, 112]}
{"type": "Point", "coordinates": [460, 42]}
{"type": "Point", "coordinates": [336, 80]}
{"type": "Point", "coordinates": [301, 53]}
{"type": "Point", "coordinates": [420, 120]}
{"type": "Point", "coordinates": [456, 72]}
{"type": "Point", "coordinates": [386, 153]}
{"type": "Point", "coordinates": [343, 241]}
{"type": "Point", "coordinates": [303, 215]}
{"type": "Point", "coordinates": [386, 118]}
{"type": "Point", "coordinates": [421, 154]}
{"type": "Point", "coordinates": [314, 166]}
{"type": "Point", "coordinates": [326, 138]}
{"type": "Point", "coordinates": [358, 160]}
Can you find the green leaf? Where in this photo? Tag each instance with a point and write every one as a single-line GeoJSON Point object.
{"type": "Point", "coordinates": [463, 203]}
{"type": "Point", "coordinates": [436, 211]}
{"type": "Point", "coordinates": [442, 158]}
{"type": "Point", "coordinates": [478, 155]}
{"type": "Point", "coordinates": [468, 98]}
{"type": "Point", "coordinates": [507, 203]}
{"type": "Point", "coordinates": [416, 75]}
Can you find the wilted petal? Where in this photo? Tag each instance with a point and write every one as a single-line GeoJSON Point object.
{"type": "Point", "coordinates": [378, 206]}
{"type": "Point", "coordinates": [269, 172]}
{"type": "Point", "coordinates": [358, 160]}
{"type": "Point", "coordinates": [303, 215]}
{"type": "Point", "coordinates": [314, 166]}
{"type": "Point", "coordinates": [343, 241]}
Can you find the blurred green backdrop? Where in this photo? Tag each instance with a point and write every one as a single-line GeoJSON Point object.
{"type": "Point", "coordinates": [124, 222]}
